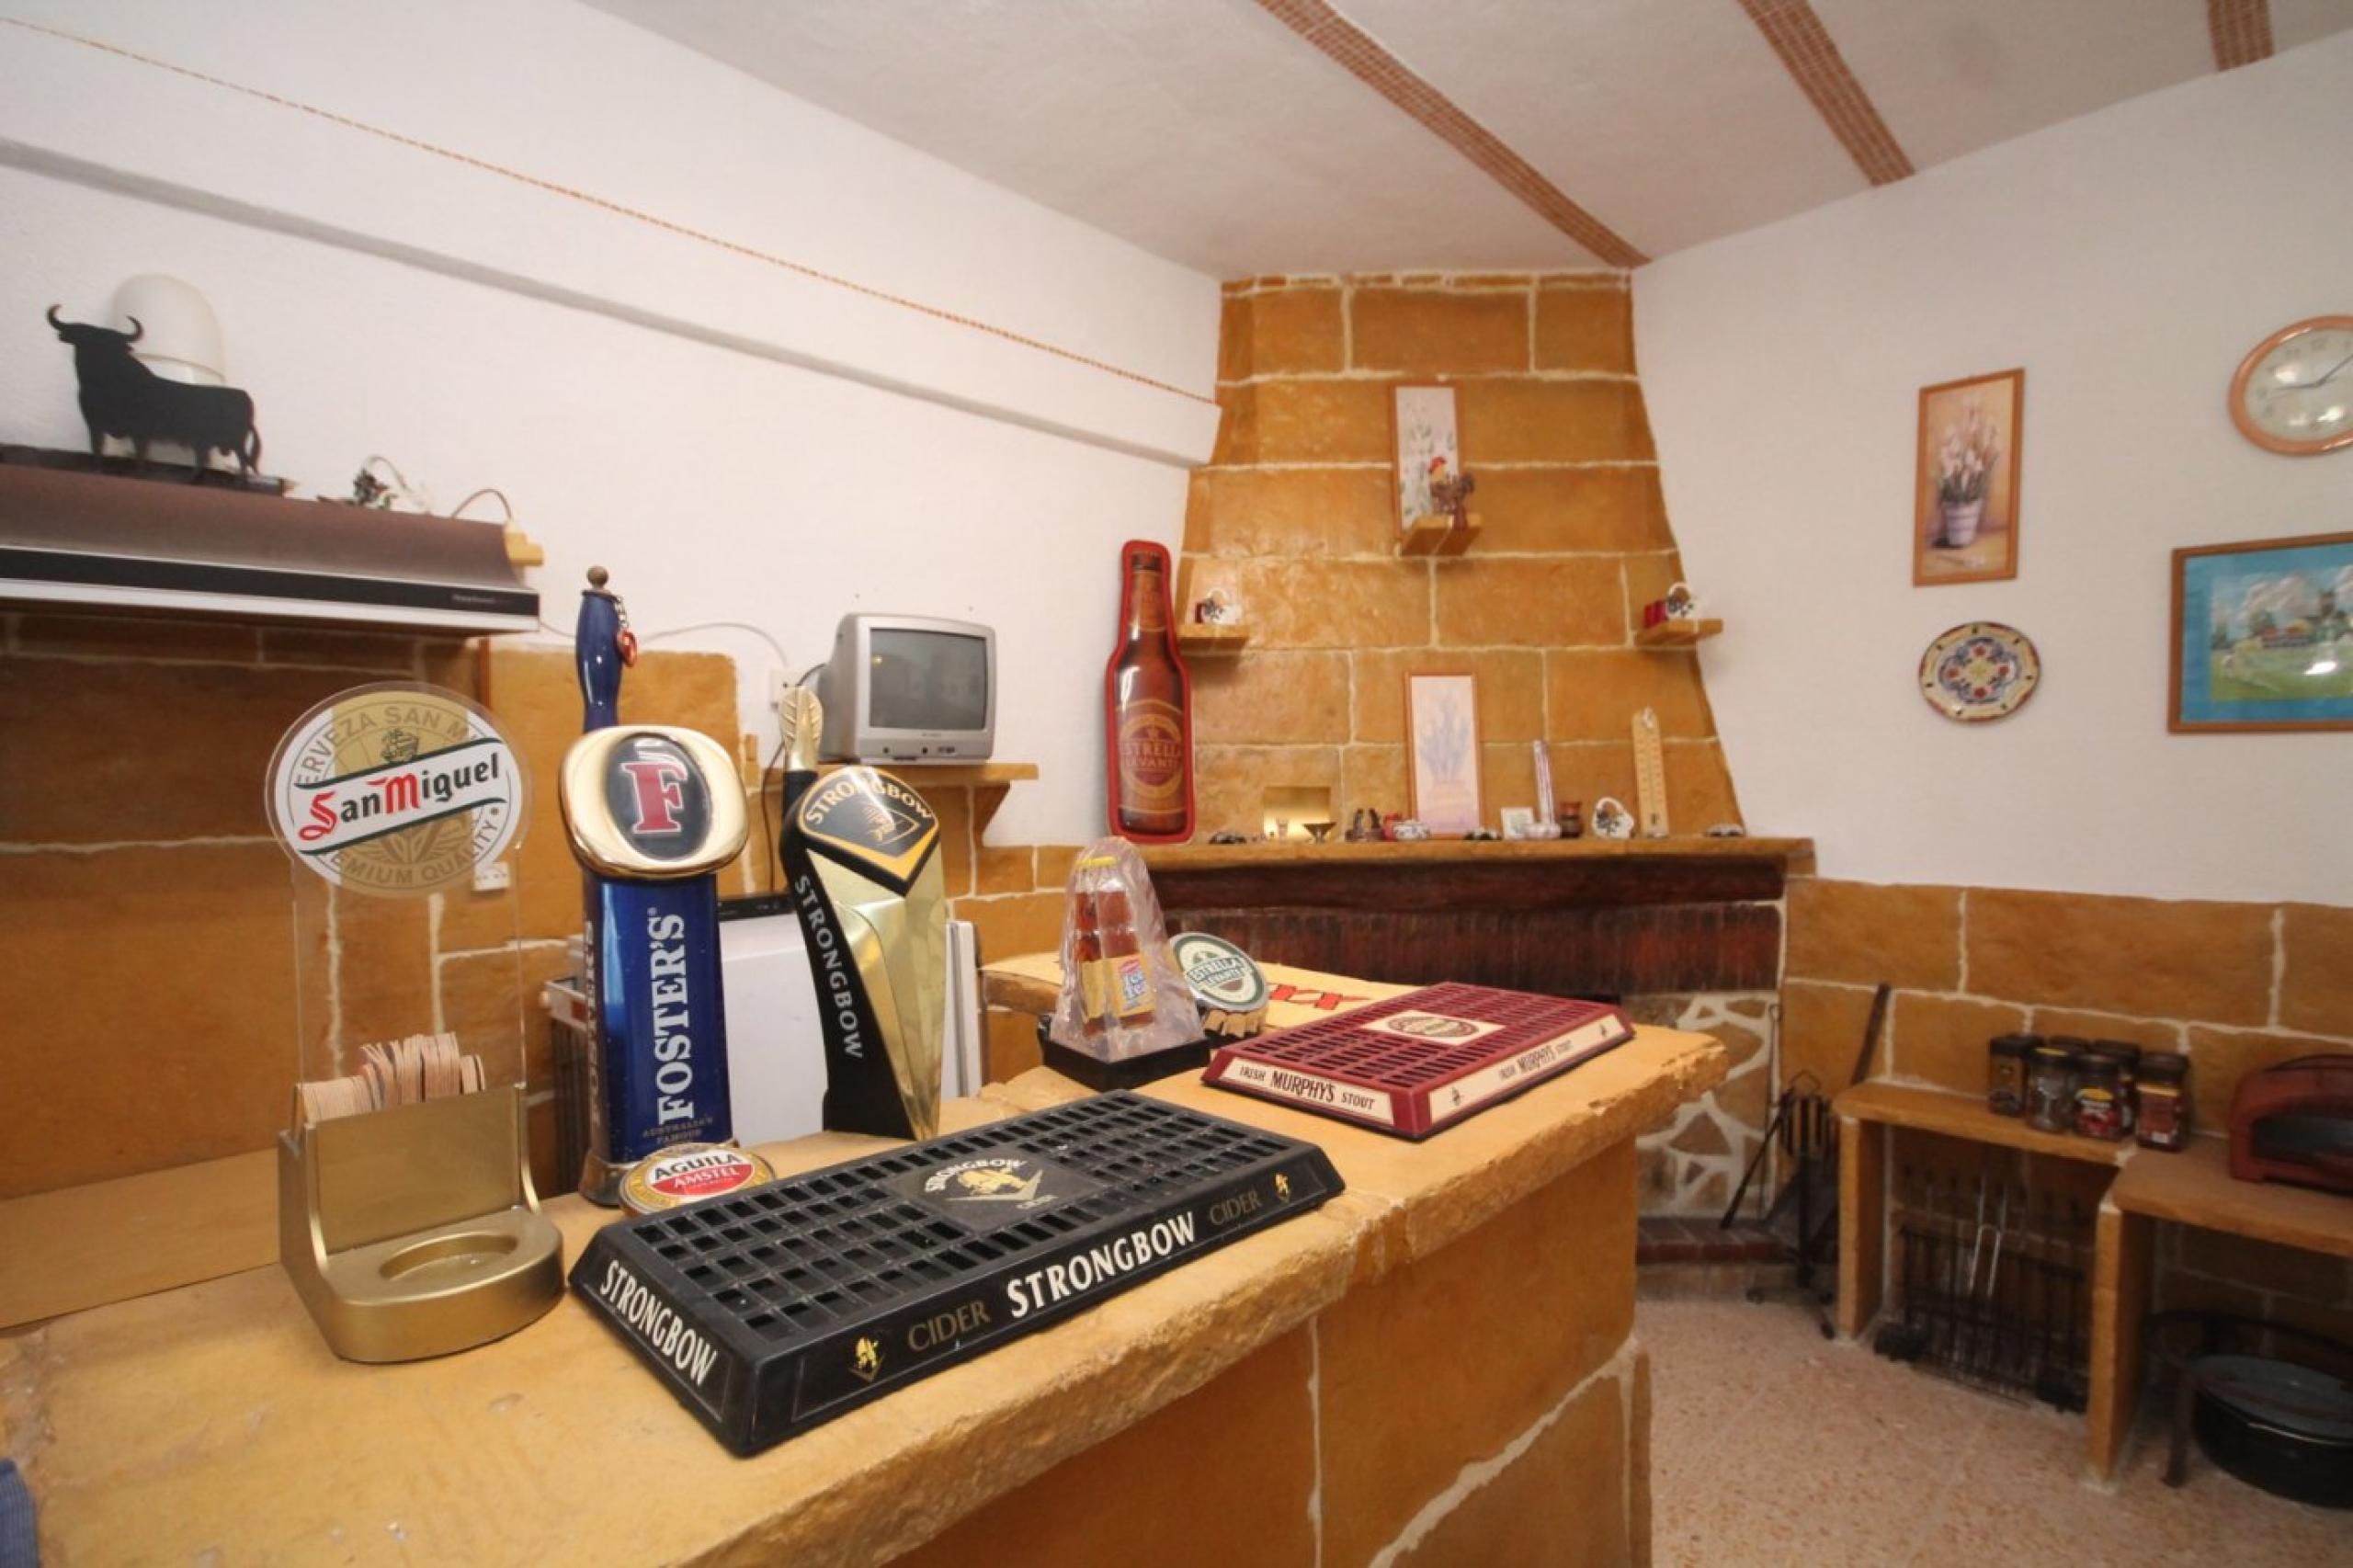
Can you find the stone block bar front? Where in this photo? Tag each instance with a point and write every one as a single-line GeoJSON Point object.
{"type": "Point", "coordinates": [1438, 1366]}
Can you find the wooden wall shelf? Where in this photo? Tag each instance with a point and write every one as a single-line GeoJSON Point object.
{"type": "Point", "coordinates": [945, 775]}
{"type": "Point", "coordinates": [1676, 633]}
{"type": "Point", "coordinates": [1430, 537]}
{"type": "Point", "coordinates": [1199, 641]}
{"type": "Point", "coordinates": [1965, 1116]}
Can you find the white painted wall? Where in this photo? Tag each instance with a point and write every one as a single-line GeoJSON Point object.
{"type": "Point", "coordinates": [734, 440]}
{"type": "Point", "coordinates": [2127, 260]}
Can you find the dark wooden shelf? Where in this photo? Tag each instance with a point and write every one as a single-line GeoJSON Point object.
{"type": "Point", "coordinates": [120, 544]}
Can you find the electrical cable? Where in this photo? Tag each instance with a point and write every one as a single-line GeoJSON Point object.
{"type": "Point", "coordinates": [770, 848]}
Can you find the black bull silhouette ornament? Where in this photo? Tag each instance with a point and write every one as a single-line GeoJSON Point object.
{"type": "Point", "coordinates": [122, 397]}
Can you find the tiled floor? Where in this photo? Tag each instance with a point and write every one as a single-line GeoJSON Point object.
{"type": "Point", "coordinates": [1771, 1445]}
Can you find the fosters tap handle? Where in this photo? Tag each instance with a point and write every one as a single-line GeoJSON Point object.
{"type": "Point", "coordinates": [602, 645]}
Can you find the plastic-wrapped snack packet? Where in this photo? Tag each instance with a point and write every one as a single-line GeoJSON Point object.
{"type": "Point", "coordinates": [1122, 994]}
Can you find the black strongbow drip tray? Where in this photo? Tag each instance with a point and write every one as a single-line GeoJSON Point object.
{"type": "Point", "coordinates": [780, 1307]}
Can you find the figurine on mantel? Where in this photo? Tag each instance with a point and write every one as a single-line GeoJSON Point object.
{"type": "Point", "coordinates": [1364, 827]}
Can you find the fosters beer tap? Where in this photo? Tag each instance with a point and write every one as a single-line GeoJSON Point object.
{"type": "Point", "coordinates": [652, 814]}
{"type": "Point", "coordinates": [859, 857]}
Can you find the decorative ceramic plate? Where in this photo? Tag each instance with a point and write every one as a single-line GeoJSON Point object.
{"type": "Point", "coordinates": [1611, 820]}
{"type": "Point", "coordinates": [1983, 670]}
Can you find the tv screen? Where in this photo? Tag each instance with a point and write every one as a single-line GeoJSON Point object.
{"type": "Point", "coordinates": [928, 680]}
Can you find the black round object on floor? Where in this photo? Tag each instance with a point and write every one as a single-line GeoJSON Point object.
{"type": "Point", "coordinates": [2286, 1429]}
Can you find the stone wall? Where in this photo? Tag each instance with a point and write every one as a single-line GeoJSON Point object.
{"type": "Point", "coordinates": [1302, 1454]}
{"type": "Point", "coordinates": [1692, 1161]}
{"type": "Point", "coordinates": [152, 976]}
{"type": "Point", "coordinates": [2234, 986]}
{"type": "Point", "coordinates": [1295, 513]}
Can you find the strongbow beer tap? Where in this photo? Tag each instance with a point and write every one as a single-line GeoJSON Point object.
{"type": "Point", "coordinates": [652, 814]}
{"type": "Point", "coordinates": [1148, 709]}
{"type": "Point", "coordinates": [860, 852]}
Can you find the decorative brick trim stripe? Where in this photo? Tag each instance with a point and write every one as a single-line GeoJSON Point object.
{"type": "Point", "coordinates": [615, 208]}
{"type": "Point", "coordinates": [1357, 52]}
{"type": "Point", "coordinates": [2241, 31]}
{"type": "Point", "coordinates": [1798, 36]}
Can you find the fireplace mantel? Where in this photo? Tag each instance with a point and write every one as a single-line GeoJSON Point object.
{"type": "Point", "coordinates": [1578, 917]}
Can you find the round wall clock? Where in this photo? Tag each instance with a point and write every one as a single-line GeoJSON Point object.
{"type": "Point", "coordinates": [2294, 392]}
{"type": "Point", "coordinates": [1983, 670]}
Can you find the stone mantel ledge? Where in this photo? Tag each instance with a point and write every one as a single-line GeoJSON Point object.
{"type": "Point", "coordinates": [1791, 853]}
{"type": "Point", "coordinates": [213, 1419]}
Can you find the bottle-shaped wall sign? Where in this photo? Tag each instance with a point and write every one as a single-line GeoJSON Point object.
{"type": "Point", "coordinates": [1148, 708]}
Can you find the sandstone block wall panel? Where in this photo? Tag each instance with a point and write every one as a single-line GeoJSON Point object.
{"type": "Point", "coordinates": [1225, 1474]}
{"type": "Point", "coordinates": [1296, 515]}
{"type": "Point", "coordinates": [148, 907]}
{"type": "Point", "coordinates": [1489, 1380]}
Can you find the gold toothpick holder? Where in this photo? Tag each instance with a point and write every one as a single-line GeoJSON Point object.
{"type": "Point", "coordinates": [414, 1232]}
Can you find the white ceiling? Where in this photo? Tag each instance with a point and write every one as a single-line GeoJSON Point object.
{"type": "Point", "coordinates": [1205, 131]}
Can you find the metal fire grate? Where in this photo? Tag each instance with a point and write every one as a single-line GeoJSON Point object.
{"type": "Point", "coordinates": [1414, 1063]}
{"type": "Point", "coordinates": [773, 1309]}
{"type": "Point", "coordinates": [1991, 1284]}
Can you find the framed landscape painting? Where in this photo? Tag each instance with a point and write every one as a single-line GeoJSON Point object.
{"type": "Point", "coordinates": [1965, 485]}
{"type": "Point", "coordinates": [2261, 638]}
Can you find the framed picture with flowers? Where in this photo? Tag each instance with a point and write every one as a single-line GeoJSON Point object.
{"type": "Point", "coordinates": [1429, 452]}
{"type": "Point", "coordinates": [1442, 764]}
{"type": "Point", "coordinates": [1965, 494]}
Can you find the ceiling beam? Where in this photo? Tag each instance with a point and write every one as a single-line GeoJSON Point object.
{"type": "Point", "coordinates": [1357, 52]}
{"type": "Point", "coordinates": [1798, 36]}
{"type": "Point", "coordinates": [2241, 31]}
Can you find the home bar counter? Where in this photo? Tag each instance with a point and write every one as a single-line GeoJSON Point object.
{"type": "Point", "coordinates": [1439, 1360]}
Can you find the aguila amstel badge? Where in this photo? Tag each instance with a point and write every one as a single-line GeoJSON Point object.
{"type": "Point", "coordinates": [689, 1173]}
{"type": "Point", "coordinates": [396, 790]}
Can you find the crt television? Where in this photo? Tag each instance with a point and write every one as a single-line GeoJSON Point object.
{"type": "Point", "coordinates": [909, 688]}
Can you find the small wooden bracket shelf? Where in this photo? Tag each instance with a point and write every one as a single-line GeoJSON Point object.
{"type": "Point", "coordinates": [1201, 640]}
{"type": "Point", "coordinates": [1437, 536]}
{"type": "Point", "coordinates": [1676, 633]}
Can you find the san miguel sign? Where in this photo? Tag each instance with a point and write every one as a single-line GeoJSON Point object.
{"type": "Point", "coordinates": [396, 790]}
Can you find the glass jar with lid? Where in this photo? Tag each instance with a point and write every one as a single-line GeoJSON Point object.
{"type": "Point", "coordinates": [2051, 1087]}
{"type": "Point", "coordinates": [2162, 1078]}
{"type": "Point", "coordinates": [2006, 1073]}
{"type": "Point", "coordinates": [2127, 1057]}
{"type": "Point", "coordinates": [2099, 1109]}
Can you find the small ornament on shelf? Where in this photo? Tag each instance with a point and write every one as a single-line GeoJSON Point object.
{"type": "Point", "coordinates": [1219, 607]}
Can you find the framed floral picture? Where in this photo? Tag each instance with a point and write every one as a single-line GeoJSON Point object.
{"type": "Point", "coordinates": [2262, 637]}
{"type": "Point", "coordinates": [1965, 489]}
{"type": "Point", "coordinates": [1442, 771]}
{"type": "Point", "coordinates": [1429, 448]}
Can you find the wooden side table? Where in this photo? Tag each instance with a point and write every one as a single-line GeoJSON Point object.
{"type": "Point", "coordinates": [2190, 1188]}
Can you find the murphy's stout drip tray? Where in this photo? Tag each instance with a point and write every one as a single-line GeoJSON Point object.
{"type": "Point", "coordinates": [771, 1311]}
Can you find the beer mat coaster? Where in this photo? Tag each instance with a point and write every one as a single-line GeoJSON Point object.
{"type": "Point", "coordinates": [1416, 1063]}
{"type": "Point", "coordinates": [784, 1305]}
